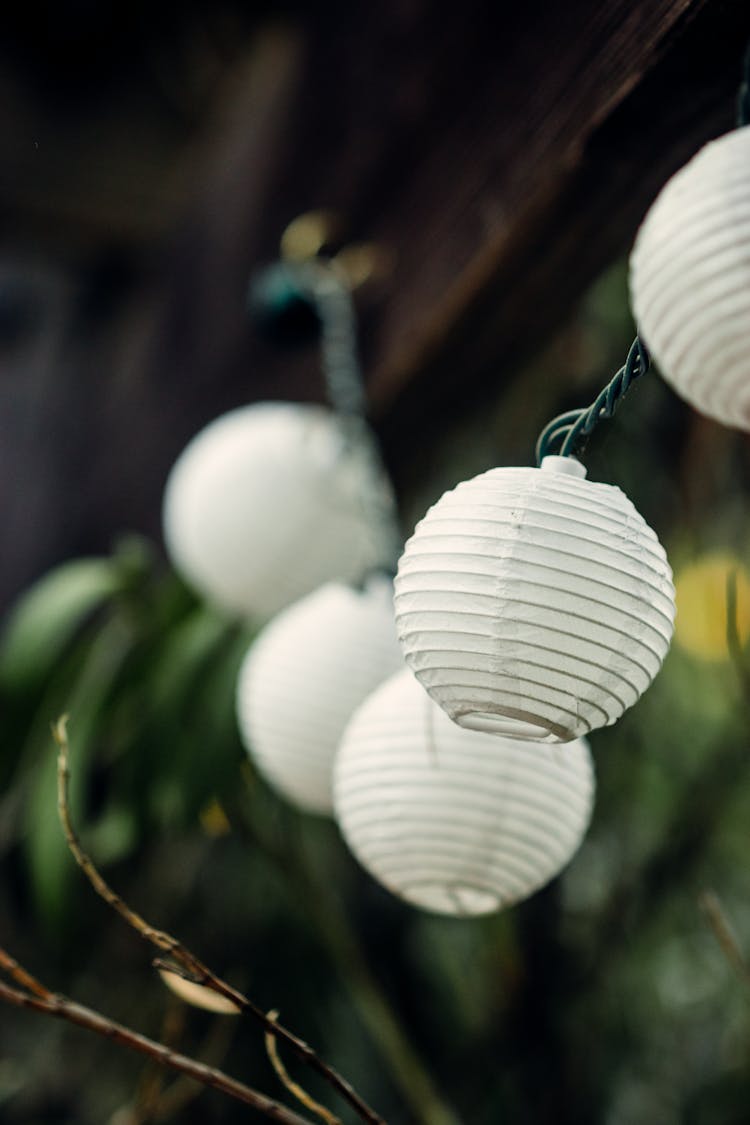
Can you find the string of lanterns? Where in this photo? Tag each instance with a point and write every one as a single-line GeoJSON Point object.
{"type": "Point", "coordinates": [444, 727]}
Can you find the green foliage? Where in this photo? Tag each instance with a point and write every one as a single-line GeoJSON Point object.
{"type": "Point", "coordinates": [147, 676]}
{"type": "Point", "coordinates": [48, 616]}
{"type": "Point", "coordinates": [603, 1000]}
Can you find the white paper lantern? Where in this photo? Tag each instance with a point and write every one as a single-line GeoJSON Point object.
{"type": "Point", "coordinates": [268, 502]}
{"type": "Point", "coordinates": [534, 603]}
{"type": "Point", "coordinates": [455, 821]}
{"type": "Point", "coordinates": [304, 676]}
{"type": "Point", "coordinates": [690, 280]}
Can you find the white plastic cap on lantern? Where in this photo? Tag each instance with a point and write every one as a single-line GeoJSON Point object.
{"type": "Point", "coordinates": [268, 502]}
{"type": "Point", "coordinates": [304, 676]}
{"type": "Point", "coordinates": [534, 603]}
{"type": "Point", "coordinates": [451, 820]}
{"type": "Point", "coordinates": [690, 280]}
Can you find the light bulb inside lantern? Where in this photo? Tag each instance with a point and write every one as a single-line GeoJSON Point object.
{"type": "Point", "coordinates": [690, 280]}
{"type": "Point", "coordinates": [451, 820]}
{"type": "Point", "coordinates": [534, 603]}
{"type": "Point", "coordinates": [302, 678]}
{"type": "Point", "coordinates": [268, 502]}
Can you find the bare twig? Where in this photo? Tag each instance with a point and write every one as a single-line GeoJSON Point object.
{"type": "Point", "coordinates": [713, 912]}
{"type": "Point", "coordinates": [184, 1090]}
{"type": "Point", "coordinates": [150, 1087]}
{"type": "Point", "coordinates": [293, 1087]}
{"type": "Point", "coordinates": [22, 976]}
{"type": "Point", "coordinates": [193, 967]}
{"type": "Point", "coordinates": [342, 944]}
{"type": "Point", "coordinates": [60, 1007]}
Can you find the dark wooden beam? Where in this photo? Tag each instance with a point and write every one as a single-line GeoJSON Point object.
{"type": "Point", "coordinates": [503, 153]}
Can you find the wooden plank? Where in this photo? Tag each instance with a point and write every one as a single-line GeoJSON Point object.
{"type": "Point", "coordinates": [505, 154]}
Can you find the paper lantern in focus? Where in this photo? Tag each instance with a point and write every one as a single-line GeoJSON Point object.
{"type": "Point", "coordinates": [304, 676]}
{"type": "Point", "coordinates": [267, 503]}
{"type": "Point", "coordinates": [455, 821]}
{"type": "Point", "coordinates": [701, 596]}
{"type": "Point", "coordinates": [534, 603]}
{"type": "Point", "coordinates": [690, 280]}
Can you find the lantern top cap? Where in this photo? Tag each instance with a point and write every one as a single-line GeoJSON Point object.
{"type": "Point", "coordinates": [570, 466]}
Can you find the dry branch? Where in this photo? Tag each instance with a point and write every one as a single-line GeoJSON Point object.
{"type": "Point", "coordinates": [60, 1007]}
{"type": "Point", "coordinates": [294, 1087]}
{"type": "Point", "coordinates": [182, 959]}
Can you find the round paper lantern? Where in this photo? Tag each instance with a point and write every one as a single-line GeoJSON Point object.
{"type": "Point", "coordinates": [534, 603]}
{"type": "Point", "coordinates": [690, 280]}
{"type": "Point", "coordinates": [455, 821]}
{"type": "Point", "coordinates": [268, 502]}
{"type": "Point", "coordinates": [302, 678]}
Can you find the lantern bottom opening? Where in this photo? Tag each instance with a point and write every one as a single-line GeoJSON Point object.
{"type": "Point", "coordinates": [509, 726]}
{"type": "Point", "coordinates": [459, 899]}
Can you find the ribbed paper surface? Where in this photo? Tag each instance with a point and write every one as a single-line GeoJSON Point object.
{"type": "Point", "coordinates": [455, 821]}
{"type": "Point", "coordinates": [267, 503]}
{"type": "Point", "coordinates": [533, 603]}
{"type": "Point", "coordinates": [690, 280]}
{"type": "Point", "coordinates": [304, 676]}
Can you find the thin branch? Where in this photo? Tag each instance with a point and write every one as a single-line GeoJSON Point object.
{"type": "Point", "coordinates": [293, 1087]}
{"type": "Point", "coordinates": [60, 1007]}
{"type": "Point", "coordinates": [184, 1090]}
{"type": "Point", "coordinates": [196, 970]}
{"type": "Point", "coordinates": [343, 945]}
{"type": "Point", "coordinates": [150, 1087]}
{"type": "Point", "coordinates": [23, 977]}
{"type": "Point", "coordinates": [713, 912]}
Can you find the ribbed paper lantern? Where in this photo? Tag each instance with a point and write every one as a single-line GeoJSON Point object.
{"type": "Point", "coordinates": [690, 280]}
{"type": "Point", "coordinates": [268, 502]}
{"type": "Point", "coordinates": [304, 676]}
{"type": "Point", "coordinates": [534, 603]}
{"type": "Point", "coordinates": [455, 821]}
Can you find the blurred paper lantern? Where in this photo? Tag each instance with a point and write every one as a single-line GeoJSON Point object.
{"type": "Point", "coordinates": [534, 603]}
{"type": "Point", "coordinates": [455, 821]}
{"type": "Point", "coordinates": [701, 591]}
{"type": "Point", "coordinates": [690, 280]}
{"type": "Point", "coordinates": [304, 676]}
{"type": "Point", "coordinates": [268, 502]}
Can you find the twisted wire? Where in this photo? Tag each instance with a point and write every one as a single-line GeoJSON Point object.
{"type": "Point", "coordinates": [334, 305]}
{"type": "Point", "coordinates": [331, 296]}
{"type": "Point", "coordinates": [565, 434]}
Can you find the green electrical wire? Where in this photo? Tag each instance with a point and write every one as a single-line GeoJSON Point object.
{"type": "Point", "coordinates": [565, 434]}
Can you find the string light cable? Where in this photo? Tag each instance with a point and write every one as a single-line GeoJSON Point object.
{"type": "Point", "coordinates": [567, 433]}
{"type": "Point", "coordinates": [326, 288]}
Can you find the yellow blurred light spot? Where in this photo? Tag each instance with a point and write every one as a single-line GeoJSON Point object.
{"type": "Point", "coordinates": [197, 994]}
{"type": "Point", "coordinates": [214, 820]}
{"type": "Point", "coordinates": [701, 595]}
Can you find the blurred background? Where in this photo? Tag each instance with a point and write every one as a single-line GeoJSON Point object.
{"type": "Point", "coordinates": [500, 159]}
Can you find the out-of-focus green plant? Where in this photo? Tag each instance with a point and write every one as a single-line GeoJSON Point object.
{"type": "Point", "coordinates": [148, 673]}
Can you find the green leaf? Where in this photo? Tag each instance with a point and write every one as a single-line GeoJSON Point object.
{"type": "Point", "coordinates": [47, 617]}
{"type": "Point", "coordinates": [49, 864]}
{"type": "Point", "coordinates": [193, 720]}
